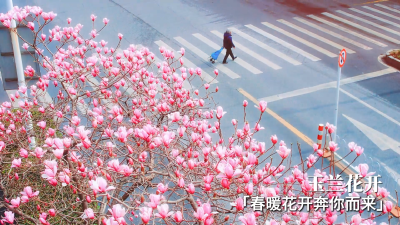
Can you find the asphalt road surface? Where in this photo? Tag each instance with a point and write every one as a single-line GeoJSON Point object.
{"type": "Point", "coordinates": [287, 55]}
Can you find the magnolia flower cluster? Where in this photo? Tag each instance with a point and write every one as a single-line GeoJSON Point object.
{"type": "Point", "coordinates": [125, 142]}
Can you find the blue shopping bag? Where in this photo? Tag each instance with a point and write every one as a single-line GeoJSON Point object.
{"type": "Point", "coordinates": [216, 54]}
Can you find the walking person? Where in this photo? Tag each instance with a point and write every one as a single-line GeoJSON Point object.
{"type": "Point", "coordinates": [228, 45]}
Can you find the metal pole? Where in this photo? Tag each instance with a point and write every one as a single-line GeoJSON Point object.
{"type": "Point", "coordinates": [337, 102]}
{"type": "Point", "coordinates": [19, 66]}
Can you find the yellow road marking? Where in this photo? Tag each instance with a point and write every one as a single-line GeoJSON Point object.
{"type": "Point", "coordinates": [365, 3]}
{"type": "Point", "coordinates": [280, 119]}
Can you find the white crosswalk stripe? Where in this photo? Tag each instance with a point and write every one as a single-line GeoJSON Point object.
{"type": "Point", "coordinates": [375, 17]}
{"type": "Point", "coordinates": [207, 77]}
{"type": "Point", "coordinates": [383, 13]}
{"type": "Point", "coordinates": [283, 43]}
{"type": "Point", "coordinates": [316, 36]}
{"type": "Point", "coordinates": [301, 40]}
{"type": "Point", "coordinates": [362, 28]}
{"type": "Point", "coordinates": [347, 30]}
{"type": "Point", "coordinates": [239, 61]}
{"type": "Point", "coordinates": [368, 22]}
{"type": "Point", "coordinates": [250, 52]}
{"type": "Point", "coordinates": [203, 55]}
{"type": "Point", "coordinates": [266, 47]}
{"type": "Point", "coordinates": [388, 8]}
{"type": "Point", "coordinates": [334, 34]}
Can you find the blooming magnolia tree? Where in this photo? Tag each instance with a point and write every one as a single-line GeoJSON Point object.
{"type": "Point", "coordinates": [124, 141]}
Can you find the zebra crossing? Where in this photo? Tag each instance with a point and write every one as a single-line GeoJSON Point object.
{"type": "Point", "coordinates": [284, 43]}
{"type": "Point", "coordinates": [354, 29]}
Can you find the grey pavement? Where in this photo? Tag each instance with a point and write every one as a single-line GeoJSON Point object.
{"type": "Point", "coordinates": [373, 102]}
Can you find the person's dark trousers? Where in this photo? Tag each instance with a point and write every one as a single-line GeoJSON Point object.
{"type": "Point", "coordinates": [228, 52]}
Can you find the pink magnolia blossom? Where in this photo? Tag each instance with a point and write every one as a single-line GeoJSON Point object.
{"type": "Point", "coordinates": [118, 212]}
{"type": "Point", "coordinates": [248, 219]}
{"type": "Point", "coordinates": [154, 201]}
{"type": "Point", "coordinates": [220, 112]}
{"type": "Point", "coordinates": [122, 134]}
{"type": "Point", "coordinates": [15, 203]}
{"type": "Point", "coordinates": [39, 153]}
{"type": "Point", "coordinates": [330, 127]}
{"type": "Point", "coordinates": [363, 170]}
{"type": "Point", "coordinates": [238, 204]}
{"type": "Point", "coordinates": [200, 214]}
{"type": "Point", "coordinates": [42, 124]}
{"type": "Point", "coordinates": [178, 217]}
{"type": "Point", "coordinates": [114, 165]}
{"type": "Point", "coordinates": [227, 171]}
{"type": "Point", "coordinates": [262, 106]}
{"type": "Point", "coordinates": [388, 206]}
{"type": "Point", "coordinates": [28, 194]}
{"type": "Point", "coordinates": [283, 151]}
{"type": "Point", "coordinates": [145, 214]}
{"type": "Point", "coordinates": [8, 217]}
{"type": "Point", "coordinates": [100, 185]}
{"type": "Point", "coordinates": [359, 150]}
{"type": "Point", "coordinates": [333, 147]}
{"type": "Point", "coordinates": [16, 163]}
{"type": "Point", "coordinates": [88, 213]}
{"type": "Point", "coordinates": [382, 192]}
{"type": "Point", "coordinates": [191, 189]}
{"type": "Point", "coordinates": [163, 211]}
{"type": "Point", "coordinates": [356, 219]}
{"type": "Point", "coordinates": [162, 188]}
{"type": "Point", "coordinates": [58, 153]}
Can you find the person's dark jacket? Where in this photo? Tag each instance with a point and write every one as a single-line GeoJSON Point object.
{"type": "Point", "coordinates": [228, 43]}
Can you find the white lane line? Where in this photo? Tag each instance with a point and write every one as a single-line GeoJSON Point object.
{"type": "Point", "coordinates": [368, 22]}
{"type": "Point", "coordinates": [203, 55]}
{"type": "Point", "coordinates": [347, 30]}
{"type": "Point", "coordinates": [388, 8]}
{"type": "Point", "coordinates": [335, 34]}
{"type": "Point", "coordinates": [331, 84]}
{"type": "Point", "coordinates": [361, 28]}
{"type": "Point", "coordinates": [239, 61]}
{"type": "Point", "coordinates": [316, 36]}
{"type": "Point", "coordinates": [207, 77]}
{"type": "Point", "coordinates": [266, 47]}
{"type": "Point", "coordinates": [383, 13]}
{"type": "Point", "coordinates": [283, 43]}
{"type": "Point", "coordinates": [370, 107]}
{"type": "Point", "coordinates": [301, 40]}
{"type": "Point", "coordinates": [250, 52]}
{"type": "Point", "coordinates": [375, 17]}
